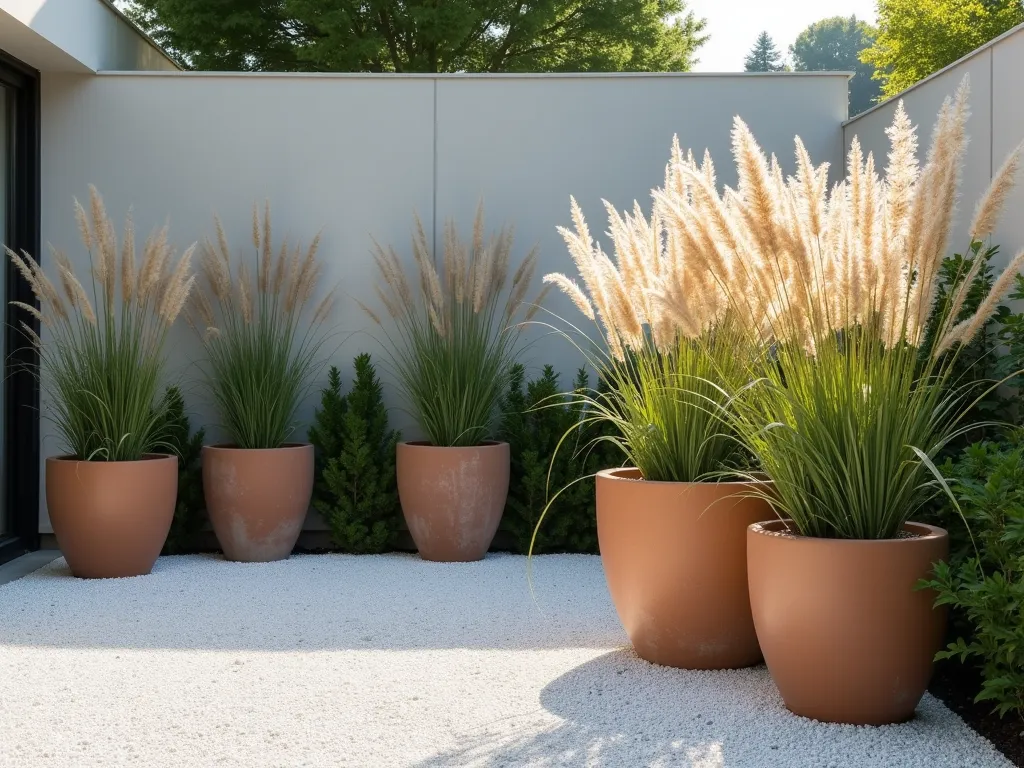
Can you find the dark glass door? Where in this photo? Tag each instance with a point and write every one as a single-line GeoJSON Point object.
{"type": "Point", "coordinates": [7, 109]}
{"type": "Point", "coordinates": [19, 230]}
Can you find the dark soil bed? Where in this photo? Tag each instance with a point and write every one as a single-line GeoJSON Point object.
{"type": "Point", "coordinates": [957, 685]}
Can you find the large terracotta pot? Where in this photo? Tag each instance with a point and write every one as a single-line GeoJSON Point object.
{"type": "Point", "coordinates": [846, 636]}
{"type": "Point", "coordinates": [111, 518]}
{"type": "Point", "coordinates": [257, 498]}
{"type": "Point", "coordinates": [452, 498]}
{"type": "Point", "coordinates": [675, 557]}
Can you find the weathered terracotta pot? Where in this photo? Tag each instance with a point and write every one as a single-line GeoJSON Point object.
{"type": "Point", "coordinates": [452, 498]}
{"type": "Point", "coordinates": [675, 557]}
{"type": "Point", "coordinates": [257, 498]}
{"type": "Point", "coordinates": [846, 636]}
{"type": "Point", "coordinates": [111, 518]}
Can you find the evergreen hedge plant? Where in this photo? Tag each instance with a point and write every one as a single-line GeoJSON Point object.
{"type": "Point", "coordinates": [356, 489]}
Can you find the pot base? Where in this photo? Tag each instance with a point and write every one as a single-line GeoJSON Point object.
{"type": "Point", "coordinates": [452, 498]}
{"type": "Point", "coordinates": [111, 518]}
{"type": "Point", "coordinates": [258, 499]}
{"type": "Point", "coordinates": [674, 555]}
{"type": "Point", "coordinates": [846, 635]}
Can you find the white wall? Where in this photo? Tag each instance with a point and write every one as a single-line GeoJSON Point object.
{"type": "Point", "coordinates": [76, 36]}
{"type": "Point", "coordinates": [357, 155]}
{"type": "Point", "coordinates": [996, 126]}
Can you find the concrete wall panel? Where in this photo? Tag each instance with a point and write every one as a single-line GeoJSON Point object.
{"type": "Point", "coordinates": [358, 155]}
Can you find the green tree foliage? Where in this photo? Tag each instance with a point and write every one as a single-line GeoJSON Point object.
{"type": "Point", "coordinates": [356, 489]}
{"type": "Point", "coordinates": [764, 56]}
{"type": "Point", "coordinates": [534, 421]}
{"type": "Point", "coordinates": [190, 510]}
{"type": "Point", "coordinates": [984, 582]}
{"type": "Point", "coordinates": [835, 45]}
{"type": "Point", "coordinates": [424, 35]}
{"type": "Point", "coordinates": [919, 37]}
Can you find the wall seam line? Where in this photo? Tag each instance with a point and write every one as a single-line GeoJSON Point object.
{"type": "Point", "coordinates": [433, 200]}
{"type": "Point", "coordinates": [991, 112]}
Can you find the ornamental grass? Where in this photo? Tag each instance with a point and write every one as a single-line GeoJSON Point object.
{"type": "Point", "coordinates": [671, 361]}
{"type": "Point", "coordinates": [261, 332]}
{"type": "Point", "coordinates": [837, 289]}
{"type": "Point", "coordinates": [101, 349]}
{"type": "Point", "coordinates": [455, 337]}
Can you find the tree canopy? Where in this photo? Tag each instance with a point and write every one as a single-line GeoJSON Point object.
{"type": "Point", "coordinates": [764, 56]}
{"type": "Point", "coordinates": [835, 44]}
{"type": "Point", "coordinates": [919, 37]}
{"type": "Point", "coordinates": [425, 35]}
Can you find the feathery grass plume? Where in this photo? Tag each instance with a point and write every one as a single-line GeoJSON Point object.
{"type": "Point", "coordinates": [155, 254]}
{"type": "Point", "coordinates": [262, 338]}
{"type": "Point", "coordinates": [990, 207]}
{"type": "Point", "coordinates": [987, 308]}
{"type": "Point", "coordinates": [63, 265]}
{"type": "Point", "coordinates": [178, 288]}
{"type": "Point", "coordinates": [280, 267]}
{"type": "Point", "coordinates": [572, 290]}
{"type": "Point", "coordinates": [849, 415]}
{"type": "Point", "coordinates": [81, 301]}
{"type": "Point", "coordinates": [216, 269]}
{"type": "Point", "coordinates": [204, 308]}
{"type": "Point", "coordinates": [453, 345]}
{"type": "Point", "coordinates": [37, 280]}
{"type": "Point", "coordinates": [671, 346]}
{"type": "Point", "coordinates": [244, 298]}
{"type": "Point", "coordinates": [101, 360]}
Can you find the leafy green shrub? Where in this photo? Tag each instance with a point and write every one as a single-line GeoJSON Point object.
{"type": "Point", "coordinates": [979, 364]}
{"type": "Point", "coordinates": [356, 489]}
{"type": "Point", "coordinates": [985, 579]}
{"type": "Point", "coordinates": [534, 420]}
{"type": "Point", "coordinates": [190, 510]}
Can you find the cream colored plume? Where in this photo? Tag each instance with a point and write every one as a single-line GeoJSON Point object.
{"type": "Point", "coordinates": [151, 290]}
{"type": "Point", "coordinates": [791, 258]}
{"type": "Point", "coordinates": [472, 277]}
{"type": "Point", "coordinates": [272, 283]}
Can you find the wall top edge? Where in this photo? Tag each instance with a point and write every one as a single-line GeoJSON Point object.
{"type": "Point", "coordinates": [139, 31]}
{"type": "Point", "coordinates": [474, 75]}
{"type": "Point", "coordinates": [986, 48]}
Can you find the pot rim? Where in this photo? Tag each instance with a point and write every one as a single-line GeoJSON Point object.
{"type": "Point", "coordinates": [146, 459]}
{"type": "Point", "coordinates": [924, 531]}
{"type": "Point", "coordinates": [427, 444]}
{"type": "Point", "coordinates": [232, 448]}
{"type": "Point", "coordinates": [614, 474]}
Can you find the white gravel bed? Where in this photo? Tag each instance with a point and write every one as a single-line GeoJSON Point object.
{"type": "Point", "coordinates": [332, 660]}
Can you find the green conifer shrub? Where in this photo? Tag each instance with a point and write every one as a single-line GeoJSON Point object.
{"type": "Point", "coordinates": [190, 509]}
{"type": "Point", "coordinates": [356, 488]}
{"type": "Point", "coordinates": [534, 419]}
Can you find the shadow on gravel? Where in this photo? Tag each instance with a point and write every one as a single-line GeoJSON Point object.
{"type": "Point", "coordinates": [618, 710]}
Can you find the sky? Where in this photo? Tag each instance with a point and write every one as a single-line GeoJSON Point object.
{"type": "Point", "coordinates": [735, 24]}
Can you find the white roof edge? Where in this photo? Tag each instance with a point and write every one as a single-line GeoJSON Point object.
{"type": "Point", "coordinates": [463, 75]}
{"type": "Point", "coordinates": [139, 31]}
{"type": "Point", "coordinates": [976, 52]}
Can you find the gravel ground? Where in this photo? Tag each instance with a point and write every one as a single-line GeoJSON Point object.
{"type": "Point", "coordinates": [332, 660]}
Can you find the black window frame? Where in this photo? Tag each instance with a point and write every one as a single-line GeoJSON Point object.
{"type": "Point", "coordinates": [21, 393]}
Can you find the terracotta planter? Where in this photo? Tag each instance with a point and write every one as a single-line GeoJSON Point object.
{"type": "Point", "coordinates": [257, 498]}
{"type": "Point", "coordinates": [675, 557]}
{"type": "Point", "coordinates": [452, 498]}
{"type": "Point", "coordinates": [846, 636]}
{"type": "Point", "coordinates": [111, 518]}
